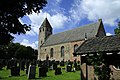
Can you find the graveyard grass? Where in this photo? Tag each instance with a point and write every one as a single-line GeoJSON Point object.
{"type": "Point", "coordinates": [5, 75]}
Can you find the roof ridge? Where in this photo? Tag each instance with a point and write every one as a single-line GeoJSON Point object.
{"type": "Point", "coordinates": [77, 28]}
{"type": "Point", "coordinates": [73, 34]}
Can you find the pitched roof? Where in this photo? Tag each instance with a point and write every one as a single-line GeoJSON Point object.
{"type": "Point", "coordinates": [79, 33]}
{"type": "Point", "coordinates": [46, 23]}
{"type": "Point", "coordinates": [106, 44]}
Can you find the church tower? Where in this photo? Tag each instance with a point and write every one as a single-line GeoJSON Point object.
{"type": "Point", "coordinates": [44, 32]}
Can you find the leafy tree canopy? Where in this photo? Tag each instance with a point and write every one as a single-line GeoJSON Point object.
{"type": "Point", "coordinates": [11, 11]}
{"type": "Point", "coordinates": [117, 30]}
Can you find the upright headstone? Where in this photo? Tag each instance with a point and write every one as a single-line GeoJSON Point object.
{"type": "Point", "coordinates": [58, 71]}
{"type": "Point", "coordinates": [27, 66]}
{"type": "Point", "coordinates": [54, 65]}
{"type": "Point", "coordinates": [51, 67]}
{"type": "Point", "coordinates": [43, 71]}
{"type": "Point", "coordinates": [75, 65]}
{"type": "Point", "coordinates": [31, 72]}
{"type": "Point", "coordinates": [22, 65]}
{"type": "Point", "coordinates": [69, 66]}
{"type": "Point", "coordinates": [39, 62]}
{"type": "Point", "coordinates": [62, 63]}
{"type": "Point", "coordinates": [15, 71]}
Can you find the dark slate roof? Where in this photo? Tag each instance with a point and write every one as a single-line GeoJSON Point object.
{"type": "Point", "coordinates": [45, 23]}
{"type": "Point", "coordinates": [79, 33]}
{"type": "Point", "coordinates": [105, 44]}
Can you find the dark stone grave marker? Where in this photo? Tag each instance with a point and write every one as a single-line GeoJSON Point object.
{"type": "Point", "coordinates": [43, 71]}
{"type": "Point", "coordinates": [54, 65]}
{"type": "Point", "coordinates": [69, 66]}
{"type": "Point", "coordinates": [31, 72]}
{"type": "Point", "coordinates": [62, 63]}
{"type": "Point", "coordinates": [22, 65]}
{"type": "Point", "coordinates": [58, 71]}
{"type": "Point", "coordinates": [27, 66]}
{"type": "Point", "coordinates": [15, 71]}
{"type": "Point", "coordinates": [75, 65]}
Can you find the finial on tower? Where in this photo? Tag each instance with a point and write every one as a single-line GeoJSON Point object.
{"type": "Point", "coordinates": [85, 36]}
{"type": "Point", "coordinates": [100, 20]}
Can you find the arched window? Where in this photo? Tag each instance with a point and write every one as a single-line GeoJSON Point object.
{"type": "Point", "coordinates": [75, 47]}
{"type": "Point", "coordinates": [51, 52]}
{"type": "Point", "coordinates": [62, 51]}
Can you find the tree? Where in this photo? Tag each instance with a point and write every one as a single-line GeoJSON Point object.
{"type": "Point", "coordinates": [11, 49]}
{"type": "Point", "coordinates": [101, 66]}
{"type": "Point", "coordinates": [117, 30]}
{"type": "Point", "coordinates": [11, 11]}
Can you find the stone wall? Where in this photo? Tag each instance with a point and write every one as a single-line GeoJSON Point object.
{"type": "Point", "coordinates": [68, 51]}
{"type": "Point", "coordinates": [115, 73]}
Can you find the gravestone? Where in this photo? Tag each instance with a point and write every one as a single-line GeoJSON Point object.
{"type": "Point", "coordinates": [62, 63]}
{"type": "Point", "coordinates": [27, 66]}
{"type": "Point", "coordinates": [15, 71]}
{"type": "Point", "coordinates": [8, 64]}
{"type": "Point", "coordinates": [75, 65]}
{"type": "Point", "coordinates": [39, 62]}
{"type": "Point", "coordinates": [31, 72]}
{"type": "Point", "coordinates": [43, 71]}
{"type": "Point", "coordinates": [58, 71]}
{"type": "Point", "coordinates": [69, 66]}
{"type": "Point", "coordinates": [51, 67]}
{"type": "Point", "coordinates": [22, 65]}
{"type": "Point", "coordinates": [54, 65]}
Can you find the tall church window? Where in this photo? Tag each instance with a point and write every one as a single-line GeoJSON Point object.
{"type": "Point", "coordinates": [62, 51]}
{"type": "Point", "coordinates": [75, 47]}
{"type": "Point", "coordinates": [51, 52]}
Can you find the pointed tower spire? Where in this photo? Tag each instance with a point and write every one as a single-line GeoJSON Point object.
{"type": "Point", "coordinates": [44, 31]}
{"type": "Point", "coordinates": [46, 23]}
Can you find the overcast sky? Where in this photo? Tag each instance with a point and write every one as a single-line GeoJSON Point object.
{"type": "Point", "coordinates": [69, 14]}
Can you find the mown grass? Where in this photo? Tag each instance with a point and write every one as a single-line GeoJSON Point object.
{"type": "Point", "coordinates": [5, 75]}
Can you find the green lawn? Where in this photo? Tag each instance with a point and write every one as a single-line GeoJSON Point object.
{"type": "Point", "coordinates": [5, 75]}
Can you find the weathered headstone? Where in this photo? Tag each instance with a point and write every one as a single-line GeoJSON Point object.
{"type": "Point", "coordinates": [62, 63]}
{"type": "Point", "coordinates": [58, 71]}
{"type": "Point", "coordinates": [51, 67]}
{"type": "Point", "coordinates": [43, 72]}
{"type": "Point", "coordinates": [27, 66]}
{"type": "Point", "coordinates": [22, 65]}
{"type": "Point", "coordinates": [31, 72]}
{"type": "Point", "coordinates": [75, 64]}
{"type": "Point", "coordinates": [39, 62]}
{"type": "Point", "coordinates": [69, 66]}
{"type": "Point", "coordinates": [15, 71]}
{"type": "Point", "coordinates": [54, 65]}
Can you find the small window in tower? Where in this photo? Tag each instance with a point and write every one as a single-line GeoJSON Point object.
{"type": "Point", "coordinates": [45, 49]}
{"type": "Point", "coordinates": [47, 29]}
{"type": "Point", "coordinates": [43, 29]}
{"type": "Point", "coordinates": [41, 42]}
{"type": "Point", "coordinates": [40, 30]}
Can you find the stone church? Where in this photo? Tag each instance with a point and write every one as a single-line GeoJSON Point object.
{"type": "Point", "coordinates": [62, 45]}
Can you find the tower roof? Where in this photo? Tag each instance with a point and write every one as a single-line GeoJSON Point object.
{"type": "Point", "coordinates": [46, 23]}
